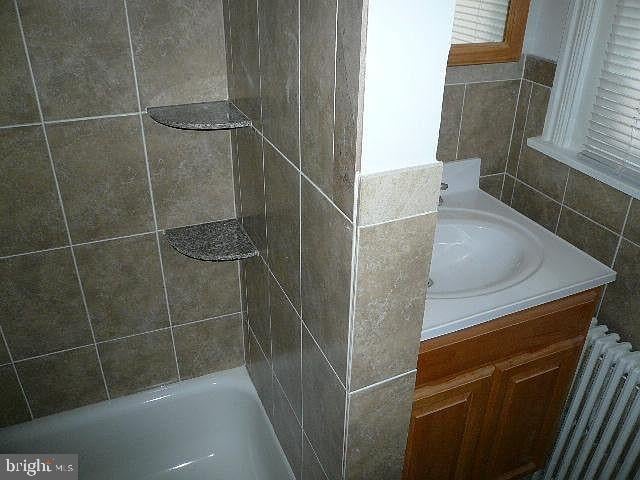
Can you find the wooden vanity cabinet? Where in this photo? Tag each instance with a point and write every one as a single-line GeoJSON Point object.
{"type": "Point", "coordinates": [488, 399]}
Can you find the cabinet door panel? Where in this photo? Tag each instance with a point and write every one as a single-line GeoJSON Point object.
{"type": "Point", "coordinates": [526, 401]}
{"type": "Point", "coordinates": [445, 427]}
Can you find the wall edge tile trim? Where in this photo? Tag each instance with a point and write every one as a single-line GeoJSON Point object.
{"type": "Point", "coordinates": [398, 193]}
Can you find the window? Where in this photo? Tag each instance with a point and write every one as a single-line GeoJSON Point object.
{"type": "Point", "coordinates": [593, 123]}
{"type": "Point", "coordinates": [479, 21]}
{"type": "Point", "coordinates": [613, 134]}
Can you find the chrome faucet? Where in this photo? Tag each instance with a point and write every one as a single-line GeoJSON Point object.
{"type": "Point", "coordinates": [443, 187]}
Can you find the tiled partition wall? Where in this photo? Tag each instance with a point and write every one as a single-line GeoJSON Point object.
{"type": "Point", "coordinates": [93, 303]}
{"type": "Point", "coordinates": [331, 351]}
{"type": "Point", "coordinates": [594, 217]}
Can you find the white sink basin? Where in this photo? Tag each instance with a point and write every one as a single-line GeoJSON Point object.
{"type": "Point", "coordinates": [477, 253]}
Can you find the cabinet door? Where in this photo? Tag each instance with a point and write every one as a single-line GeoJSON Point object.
{"type": "Point", "coordinates": [445, 427]}
{"type": "Point", "coordinates": [526, 400]}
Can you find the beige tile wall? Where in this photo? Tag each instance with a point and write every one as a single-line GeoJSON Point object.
{"type": "Point", "coordinates": [87, 283]}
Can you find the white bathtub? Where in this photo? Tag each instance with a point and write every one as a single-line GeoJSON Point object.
{"type": "Point", "coordinates": [211, 428]}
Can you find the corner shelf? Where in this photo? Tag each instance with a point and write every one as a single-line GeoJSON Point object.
{"type": "Point", "coordinates": [221, 241]}
{"type": "Point", "coordinates": [221, 115]}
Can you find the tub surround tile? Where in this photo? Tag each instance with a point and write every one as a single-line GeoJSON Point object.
{"type": "Point", "coordinates": [138, 363]}
{"type": "Point", "coordinates": [30, 213]}
{"type": "Point", "coordinates": [209, 346]}
{"type": "Point", "coordinates": [537, 207]}
{"type": "Point", "coordinates": [191, 175]}
{"type": "Point", "coordinates": [621, 304]}
{"type": "Point", "coordinates": [103, 178]}
{"type": "Point", "coordinates": [311, 468]}
{"type": "Point", "coordinates": [41, 309]}
{"type": "Point", "coordinates": [489, 110]}
{"type": "Point", "coordinates": [490, 72]}
{"type": "Point", "coordinates": [242, 47]}
{"type": "Point", "coordinates": [16, 89]}
{"type": "Point", "coordinates": [517, 139]}
{"type": "Point", "coordinates": [214, 242]}
{"type": "Point", "coordinates": [324, 407]}
{"type": "Point", "coordinates": [286, 344]}
{"type": "Point", "coordinates": [596, 200]}
{"type": "Point", "coordinates": [543, 173]}
{"type": "Point", "coordinates": [539, 70]}
{"type": "Point", "coordinates": [123, 286]}
{"type": "Point", "coordinates": [348, 94]}
{"type": "Point", "coordinates": [279, 66]}
{"type": "Point", "coordinates": [451, 116]}
{"type": "Point", "coordinates": [379, 418]}
{"type": "Point", "coordinates": [317, 81]}
{"type": "Point", "coordinates": [393, 265]}
{"type": "Point", "coordinates": [77, 72]}
{"type": "Point", "coordinates": [492, 185]}
{"type": "Point", "coordinates": [13, 408]}
{"type": "Point", "coordinates": [588, 236]}
{"type": "Point", "coordinates": [251, 186]}
{"type": "Point", "coordinates": [400, 193]}
{"type": "Point", "coordinates": [326, 275]}
{"type": "Point", "coordinates": [287, 428]}
{"type": "Point", "coordinates": [161, 32]}
{"type": "Point", "coordinates": [257, 284]}
{"type": "Point", "coordinates": [62, 381]}
{"type": "Point", "coordinates": [283, 221]}
{"type": "Point", "coordinates": [197, 289]}
{"type": "Point", "coordinates": [632, 230]}
{"type": "Point", "coordinates": [260, 372]}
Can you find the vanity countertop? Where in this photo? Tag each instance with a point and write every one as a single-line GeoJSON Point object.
{"type": "Point", "coordinates": [563, 271]}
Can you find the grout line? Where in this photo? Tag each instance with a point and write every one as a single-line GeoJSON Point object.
{"type": "Point", "coordinates": [622, 230]}
{"type": "Point", "coordinates": [464, 98]}
{"type": "Point", "coordinates": [266, 139]}
{"type": "Point", "coordinates": [273, 275]}
{"type": "Point", "coordinates": [564, 194]}
{"type": "Point", "coordinates": [96, 117]}
{"type": "Point", "coordinates": [522, 143]}
{"type": "Point", "coordinates": [259, 65]}
{"type": "Point", "coordinates": [323, 355]}
{"type": "Point", "coordinates": [400, 219]}
{"type": "Point", "coordinates": [20, 125]}
{"type": "Point", "coordinates": [15, 372]}
{"type": "Point", "coordinates": [148, 168]}
{"type": "Point", "coordinates": [34, 252]}
{"type": "Point", "coordinates": [513, 131]}
{"type": "Point", "coordinates": [315, 454]}
{"type": "Point", "coordinates": [103, 240]}
{"type": "Point", "coordinates": [382, 382]}
{"type": "Point", "coordinates": [60, 200]}
{"type": "Point", "coordinates": [57, 352]}
{"type": "Point", "coordinates": [124, 337]}
{"type": "Point", "coordinates": [287, 398]}
{"type": "Point", "coordinates": [477, 82]}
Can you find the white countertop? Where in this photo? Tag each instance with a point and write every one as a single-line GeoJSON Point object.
{"type": "Point", "coordinates": [565, 270]}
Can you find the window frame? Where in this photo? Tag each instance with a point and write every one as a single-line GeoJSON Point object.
{"type": "Point", "coordinates": [582, 53]}
{"type": "Point", "coordinates": [509, 50]}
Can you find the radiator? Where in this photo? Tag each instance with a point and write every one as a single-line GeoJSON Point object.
{"type": "Point", "coordinates": [599, 436]}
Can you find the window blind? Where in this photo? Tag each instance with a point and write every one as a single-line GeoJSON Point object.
{"type": "Point", "coordinates": [479, 21]}
{"type": "Point", "coordinates": [613, 133]}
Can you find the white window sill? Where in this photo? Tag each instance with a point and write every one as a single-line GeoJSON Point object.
{"type": "Point", "coordinates": [615, 179]}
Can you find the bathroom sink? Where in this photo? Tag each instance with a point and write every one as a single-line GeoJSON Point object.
{"type": "Point", "coordinates": [477, 253]}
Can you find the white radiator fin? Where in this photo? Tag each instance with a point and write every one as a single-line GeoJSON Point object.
{"type": "Point", "coordinates": [600, 434]}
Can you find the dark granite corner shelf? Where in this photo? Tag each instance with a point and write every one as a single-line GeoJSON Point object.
{"type": "Point", "coordinates": [220, 241]}
{"type": "Point", "coordinates": [221, 115]}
